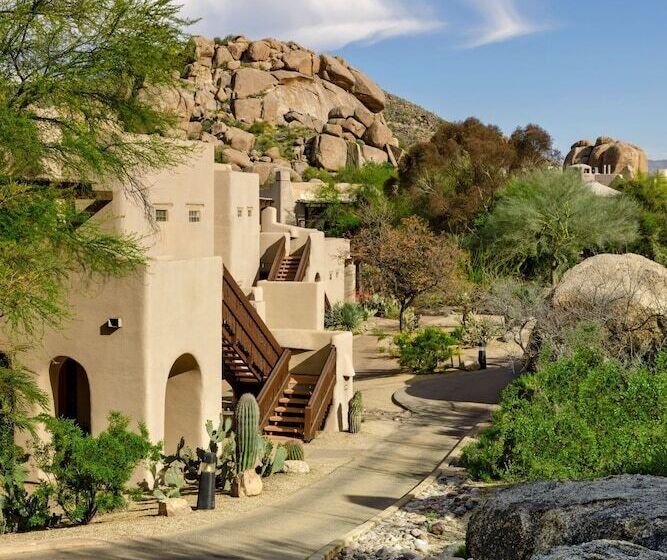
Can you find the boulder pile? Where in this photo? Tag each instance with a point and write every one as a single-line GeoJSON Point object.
{"type": "Point", "coordinates": [326, 113]}
{"type": "Point", "coordinates": [618, 157]}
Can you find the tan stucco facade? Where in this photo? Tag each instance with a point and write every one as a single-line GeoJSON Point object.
{"type": "Point", "coordinates": [149, 345]}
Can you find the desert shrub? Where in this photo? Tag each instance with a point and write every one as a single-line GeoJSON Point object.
{"type": "Point", "coordinates": [346, 317]}
{"type": "Point", "coordinates": [650, 192]}
{"type": "Point", "coordinates": [90, 473]}
{"type": "Point", "coordinates": [548, 221]}
{"type": "Point", "coordinates": [424, 351]}
{"type": "Point", "coordinates": [583, 416]}
{"type": "Point", "coordinates": [21, 511]}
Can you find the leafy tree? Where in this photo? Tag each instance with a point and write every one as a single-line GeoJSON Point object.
{"type": "Point", "coordinates": [650, 192]}
{"type": "Point", "coordinates": [533, 147]}
{"type": "Point", "coordinates": [71, 80]}
{"type": "Point", "coordinates": [408, 260]}
{"type": "Point", "coordinates": [583, 416]}
{"type": "Point", "coordinates": [455, 176]}
{"type": "Point", "coordinates": [75, 77]}
{"type": "Point", "coordinates": [547, 221]}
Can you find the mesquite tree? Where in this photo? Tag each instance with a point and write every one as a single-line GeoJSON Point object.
{"type": "Point", "coordinates": [408, 261]}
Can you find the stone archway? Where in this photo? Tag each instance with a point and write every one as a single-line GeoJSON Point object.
{"type": "Point", "coordinates": [71, 391]}
{"type": "Point", "coordinates": [182, 404]}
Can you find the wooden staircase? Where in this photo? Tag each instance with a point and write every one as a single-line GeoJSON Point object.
{"type": "Point", "coordinates": [291, 404]}
{"type": "Point", "coordinates": [290, 268]}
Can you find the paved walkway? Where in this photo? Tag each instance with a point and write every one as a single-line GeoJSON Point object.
{"type": "Point", "coordinates": [353, 493]}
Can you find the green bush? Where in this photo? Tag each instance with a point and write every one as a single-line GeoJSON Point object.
{"type": "Point", "coordinates": [346, 317]}
{"type": "Point", "coordinates": [584, 416]}
{"type": "Point", "coordinates": [90, 473]}
{"type": "Point", "coordinates": [424, 351]}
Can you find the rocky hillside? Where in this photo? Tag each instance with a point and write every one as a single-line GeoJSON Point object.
{"type": "Point", "coordinates": [621, 157]}
{"type": "Point", "coordinates": [410, 122]}
{"type": "Point", "coordinates": [268, 104]}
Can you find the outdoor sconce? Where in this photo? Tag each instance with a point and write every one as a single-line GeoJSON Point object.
{"type": "Point", "coordinates": [206, 494]}
{"type": "Point", "coordinates": [114, 323]}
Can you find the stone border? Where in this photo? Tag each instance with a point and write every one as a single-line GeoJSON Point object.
{"type": "Point", "coordinates": [329, 551]}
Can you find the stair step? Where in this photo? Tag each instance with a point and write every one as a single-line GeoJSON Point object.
{"type": "Point", "coordinates": [288, 401]}
{"type": "Point", "coordinates": [296, 390]}
{"type": "Point", "coordinates": [289, 410]}
{"type": "Point", "coordinates": [304, 379]}
{"type": "Point", "coordinates": [286, 419]}
{"type": "Point", "coordinates": [284, 430]}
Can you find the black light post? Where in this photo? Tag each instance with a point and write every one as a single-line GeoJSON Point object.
{"type": "Point", "coordinates": [206, 495]}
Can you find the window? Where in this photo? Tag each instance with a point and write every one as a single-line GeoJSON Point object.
{"type": "Point", "coordinates": [239, 212]}
{"type": "Point", "coordinates": [249, 211]}
{"type": "Point", "coordinates": [194, 216]}
{"type": "Point", "coordinates": [160, 215]}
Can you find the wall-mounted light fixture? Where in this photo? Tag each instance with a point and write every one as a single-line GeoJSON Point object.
{"type": "Point", "coordinates": [114, 323]}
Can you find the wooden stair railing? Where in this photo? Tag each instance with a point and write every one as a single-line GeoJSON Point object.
{"type": "Point", "coordinates": [273, 388]}
{"type": "Point", "coordinates": [303, 263]}
{"type": "Point", "coordinates": [321, 398]}
{"type": "Point", "coordinates": [244, 330]}
{"type": "Point", "coordinates": [277, 259]}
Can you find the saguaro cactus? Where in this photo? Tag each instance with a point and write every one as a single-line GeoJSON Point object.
{"type": "Point", "coordinates": [356, 412]}
{"type": "Point", "coordinates": [247, 428]}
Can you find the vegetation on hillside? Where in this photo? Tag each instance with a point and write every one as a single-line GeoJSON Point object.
{"type": "Point", "coordinates": [409, 122]}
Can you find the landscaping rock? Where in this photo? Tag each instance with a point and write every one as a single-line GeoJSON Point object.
{"type": "Point", "coordinates": [222, 56]}
{"type": "Point", "coordinates": [602, 550]}
{"type": "Point", "coordinates": [530, 519]}
{"type": "Point", "coordinates": [299, 61]}
{"type": "Point", "coordinates": [259, 51]}
{"type": "Point", "coordinates": [629, 287]}
{"type": "Point", "coordinates": [174, 507]}
{"type": "Point", "coordinates": [247, 110]}
{"type": "Point", "coordinates": [378, 135]}
{"type": "Point", "coordinates": [247, 484]}
{"type": "Point", "coordinates": [296, 467]}
{"type": "Point", "coordinates": [374, 154]}
{"type": "Point", "coordinates": [236, 157]}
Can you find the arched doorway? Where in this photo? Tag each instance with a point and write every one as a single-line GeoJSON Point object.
{"type": "Point", "coordinates": [71, 391]}
{"type": "Point", "coordinates": [182, 404]}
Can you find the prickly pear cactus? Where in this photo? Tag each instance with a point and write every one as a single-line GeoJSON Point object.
{"type": "Point", "coordinates": [356, 411]}
{"type": "Point", "coordinates": [294, 451]}
{"type": "Point", "coordinates": [248, 445]}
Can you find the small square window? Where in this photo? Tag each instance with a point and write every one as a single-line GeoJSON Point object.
{"type": "Point", "coordinates": [239, 212]}
{"type": "Point", "coordinates": [160, 215]}
{"type": "Point", "coordinates": [194, 216]}
{"type": "Point", "coordinates": [249, 211]}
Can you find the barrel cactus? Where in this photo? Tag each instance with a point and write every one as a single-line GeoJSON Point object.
{"type": "Point", "coordinates": [247, 429]}
{"type": "Point", "coordinates": [356, 412]}
{"type": "Point", "coordinates": [294, 451]}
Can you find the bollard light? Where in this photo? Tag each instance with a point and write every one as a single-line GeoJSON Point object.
{"type": "Point", "coordinates": [481, 357]}
{"type": "Point", "coordinates": [206, 494]}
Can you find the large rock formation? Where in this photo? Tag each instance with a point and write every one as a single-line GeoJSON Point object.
{"type": "Point", "coordinates": [318, 106]}
{"type": "Point", "coordinates": [621, 157]}
{"type": "Point", "coordinates": [521, 522]}
{"type": "Point", "coordinates": [628, 291]}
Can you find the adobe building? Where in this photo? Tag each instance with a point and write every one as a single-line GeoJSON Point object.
{"type": "Point", "coordinates": [230, 301]}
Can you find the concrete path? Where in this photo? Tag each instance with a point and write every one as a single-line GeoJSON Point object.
{"type": "Point", "coordinates": [445, 407]}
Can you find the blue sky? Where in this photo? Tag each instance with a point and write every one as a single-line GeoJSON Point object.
{"type": "Point", "coordinates": [579, 68]}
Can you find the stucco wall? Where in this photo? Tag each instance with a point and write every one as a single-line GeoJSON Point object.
{"type": "Point", "coordinates": [237, 223]}
{"type": "Point", "coordinates": [293, 305]}
{"type": "Point", "coordinates": [177, 190]}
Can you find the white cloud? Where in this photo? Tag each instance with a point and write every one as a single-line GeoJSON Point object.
{"type": "Point", "coordinates": [502, 21]}
{"type": "Point", "coordinates": [318, 24]}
